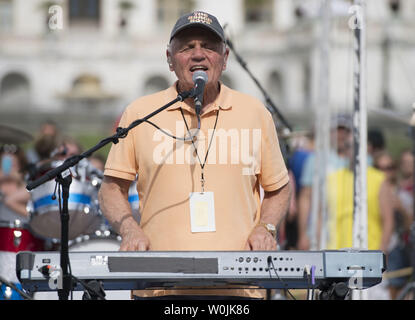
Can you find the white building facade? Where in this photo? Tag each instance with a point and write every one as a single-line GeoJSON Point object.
{"type": "Point", "coordinates": [77, 57]}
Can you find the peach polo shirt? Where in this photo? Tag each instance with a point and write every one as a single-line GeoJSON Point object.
{"type": "Point", "coordinates": [244, 154]}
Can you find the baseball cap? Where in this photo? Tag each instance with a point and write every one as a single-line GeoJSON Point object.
{"type": "Point", "coordinates": [200, 19]}
{"type": "Point", "coordinates": [342, 120]}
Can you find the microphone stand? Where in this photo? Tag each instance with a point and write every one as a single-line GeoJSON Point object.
{"type": "Point", "coordinates": [63, 177]}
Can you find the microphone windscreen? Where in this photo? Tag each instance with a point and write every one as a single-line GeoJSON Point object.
{"type": "Point", "coordinates": [200, 75]}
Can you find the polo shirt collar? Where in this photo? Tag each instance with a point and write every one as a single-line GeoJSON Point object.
{"type": "Point", "coordinates": [221, 102]}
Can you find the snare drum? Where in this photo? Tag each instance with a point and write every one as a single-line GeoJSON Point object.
{"type": "Point", "coordinates": [83, 218]}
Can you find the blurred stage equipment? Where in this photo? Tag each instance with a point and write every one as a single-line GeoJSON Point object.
{"type": "Point", "coordinates": [10, 135]}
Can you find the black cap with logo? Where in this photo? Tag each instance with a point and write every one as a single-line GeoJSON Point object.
{"type": "Point", "coordinates": [201, 19]}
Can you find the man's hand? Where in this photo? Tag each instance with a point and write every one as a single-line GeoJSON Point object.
{"type": "Point", "coordinates": [113, 199]}
{"type": "Point", "coordinates": [261, 239]}
{"type": "Point", "coordinates": [134, 239]}
{"type": "Point", "coordinates": [303, 242]}
{"type": "Point", "coordinates": [273, 209]}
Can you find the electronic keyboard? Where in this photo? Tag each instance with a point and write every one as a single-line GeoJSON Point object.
{"type": "Point", "coordinates": [40, 271]}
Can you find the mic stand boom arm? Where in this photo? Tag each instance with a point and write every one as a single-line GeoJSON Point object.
{"type": "Point", "coordinates": [65, 179]}
{"type": "Point", "coordinates": [266, 96]}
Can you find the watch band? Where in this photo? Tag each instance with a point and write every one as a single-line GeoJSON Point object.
{"type": "Point", "coordinates": [270, 228]}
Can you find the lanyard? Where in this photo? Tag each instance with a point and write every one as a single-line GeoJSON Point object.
{"type": "Point", "coordinates": [202, 166]}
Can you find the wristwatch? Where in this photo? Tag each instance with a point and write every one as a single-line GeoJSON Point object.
{"type": "Point", "coordinates": [270, 227]}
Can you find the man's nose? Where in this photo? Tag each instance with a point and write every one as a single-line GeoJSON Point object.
{"type": "Point", "coordinates": [198, 53]}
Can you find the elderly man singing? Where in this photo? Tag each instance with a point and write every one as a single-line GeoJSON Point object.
{"type": "Point", "coordinates": [199, 178]}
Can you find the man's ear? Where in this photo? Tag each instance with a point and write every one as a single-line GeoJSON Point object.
{"type": "Point", "coordinates": [225, 59]}
{"type": "Point", "coordinates": [169, 60]}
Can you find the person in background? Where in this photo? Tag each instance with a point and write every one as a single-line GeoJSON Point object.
{"type": "Point", "coordinates": [380, 205]}
{"type": "Point", "coordinates": [375, 144]}
{"type": "Point", "coordinates": [45, 142]}
{"type": "Point", "coordinates": [303, 147]}
{"type": "Point", "coordinates": [297, 160]}
{"type": "Point", "coordinates": [49, 150]}
{"type": "Point", "coordinates": [406, 174]}
{"type": "Point", "coordinates": [398, 251]}
{"type": "Point", "coordinates": [12, 188]}
{"type": "Point", "coordinates": [341, 126]}
{"type": "Point", "coordinates": [67, 147]}
{"type": "Point", "coordinates": [13, 217]}
{"type": "Point", "coordinates": [406, 190]}
{"type": "Point", "coordinates": [98, 161]}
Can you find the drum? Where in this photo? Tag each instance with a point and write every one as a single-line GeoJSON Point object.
{"type": "Point", "coordinates": [83, 217]}
{"type": "Point", "coordinates": [101, 240]}
{"type": "Point", "coordinates": [134, 200]}
{"type": "Point", "coordinates": [14, 236]}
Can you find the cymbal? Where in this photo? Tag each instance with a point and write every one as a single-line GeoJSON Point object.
{"type": "Point", "coordinates": [10, 135]}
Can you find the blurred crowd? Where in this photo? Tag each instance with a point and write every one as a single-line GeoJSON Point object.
{"type": "Point", "coordinates": [389, 196]}
{"type": "Point", "coordinates": [24, 220]}
{"type": "Point", "coordinates": [18, 166]}
{"type": "Point", "coordinates": [390, 215]}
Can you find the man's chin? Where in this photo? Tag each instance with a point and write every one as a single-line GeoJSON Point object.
{"type": "Point", "coordinates": [184, 86]}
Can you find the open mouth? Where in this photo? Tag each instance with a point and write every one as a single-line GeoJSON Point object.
{"type": "Point", "coordinates": [198, 68]}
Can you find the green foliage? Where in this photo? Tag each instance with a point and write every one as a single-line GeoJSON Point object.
{"type": "Point", "coordinates": [397, 141]}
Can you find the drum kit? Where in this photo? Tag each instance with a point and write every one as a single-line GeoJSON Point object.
{"type": "Point", "coordinates": [88, 228]}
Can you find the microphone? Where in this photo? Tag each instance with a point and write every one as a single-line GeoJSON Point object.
{"type": "Point", "coordinates": [199, 78]}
